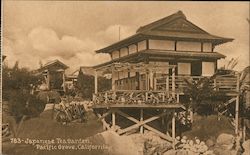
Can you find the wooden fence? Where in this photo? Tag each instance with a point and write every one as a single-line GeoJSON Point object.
{"type": "Point", "coordinates": [220, 83]}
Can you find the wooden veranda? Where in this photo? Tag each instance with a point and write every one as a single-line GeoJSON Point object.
{"type": "Point", "coordinates": [119, 103]}
{"type": "Point", "coordinates": [160, 100]}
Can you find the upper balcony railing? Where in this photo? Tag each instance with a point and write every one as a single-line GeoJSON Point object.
{"type": "Point", "coordinates": [228, 83]}
{"type": "Point", "coordinates": [163, 91]}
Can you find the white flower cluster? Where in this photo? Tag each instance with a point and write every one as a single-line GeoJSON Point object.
{"type": "Point", "coordinates": [183, 119]}
{"type": "Point", "coordinates": [193, 147]}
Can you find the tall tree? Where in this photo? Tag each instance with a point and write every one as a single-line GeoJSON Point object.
{"type": "Point", "coordinates": [85, 85]}
{"type": "Point", "coordinates": [17, 85]}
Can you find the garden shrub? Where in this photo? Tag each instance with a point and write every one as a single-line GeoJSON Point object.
{"type": "Point", "coordinates": [22, 103]}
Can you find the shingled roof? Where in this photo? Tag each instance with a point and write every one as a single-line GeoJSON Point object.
{"type": "Point", "coordinates": [173, 27]}
{"type": "Point", "coordinates": [52, 63]}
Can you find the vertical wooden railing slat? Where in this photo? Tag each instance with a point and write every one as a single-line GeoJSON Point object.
{"type": "Point", "coordinates": [173, 82]}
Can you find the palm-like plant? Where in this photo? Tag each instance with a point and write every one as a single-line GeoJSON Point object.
{"type": "Point", "coordinates": [202, 95]}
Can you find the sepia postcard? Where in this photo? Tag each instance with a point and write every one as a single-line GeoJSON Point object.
{"type": "Point", "coordinates": [125, 78]}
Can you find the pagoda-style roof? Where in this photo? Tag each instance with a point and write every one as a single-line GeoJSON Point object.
{"type": "Point", "coordinates": [173, 27]}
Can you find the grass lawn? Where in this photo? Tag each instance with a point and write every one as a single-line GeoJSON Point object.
{"type": "Point", "coordinates": [209, 127]}
{"type": "Point", "coordinates": [44, 127]}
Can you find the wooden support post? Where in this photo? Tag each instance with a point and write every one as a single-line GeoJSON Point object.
{"type": "Point", "coordinates": [113, 80]}
{"type": "Point", "coordinates": [238, 83]}
{"type": "Point", "coordinates": [154, 88]}
{"type": "Point", "coordinates": [237, 104]}
{"type": "Point", "coordinates": [151, 80]}
{"type": "Point", "coordinates": [147, 81]}
{"type": "Point", "coordinates": [48, 80]}
{"type": "Point", "coordinates": [178, 98]}
{"type": "Point", "coordinates": [113, 119]}
{"type": "Point", "coordinates": [106, 98]}
{"type": "Point", "coordinates": [137, 75]}
{"type": "Point", "coordinates": [141, 120]}
{"type": "Point", "coordinates": [173, 129]}
{"type": "Point", "coordinates": [163, 97]}
{"type": "Point", "coordinates": [96, 82]}
{"type": "Point", "coordinates": [64, 88]}
{"type": "Point", "coordinates": [237, 115]}
{"type": "Point", "coordinates": [244, 130]}
{"type": "Point", "coordinates": [162, 121]}
{"type": "Point", "coordinates": [104, 123]}
{"type": "Point", "coordinates": [173, 82]}
{"type": "Point", "coordinates": [215, 84]}
{"type": "Point", "coordinates": [167, 85]}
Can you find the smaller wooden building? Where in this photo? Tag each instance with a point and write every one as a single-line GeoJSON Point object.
{"type": "Point", "coordinates": [54, 75]}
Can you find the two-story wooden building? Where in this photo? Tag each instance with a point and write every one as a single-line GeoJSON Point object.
{"type": "Point", "coordinates": [172, 40]}
{"type": "Point", "coordinates": [148, 69]}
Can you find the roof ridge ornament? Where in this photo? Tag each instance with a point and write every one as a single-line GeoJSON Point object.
{"type": "Point", "coordinates": [181, 14]}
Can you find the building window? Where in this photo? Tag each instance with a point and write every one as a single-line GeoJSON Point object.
{"type": "Point", "coordinates": [132, 49]}
{"type": "Point", "coordinates": [142, 45]}
{"type": "Point", "coordinates": [115, 54]}
{"type": "Point", "coordinates": [208, 68]}
{"type": "Point", "coordinates": [123, 52]}
{"type": "Point", "coordinates": [184, 69]}
{"type": "Point", "coordinates": [196, 68]}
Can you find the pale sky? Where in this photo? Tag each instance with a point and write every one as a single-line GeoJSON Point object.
{"type": "Point", "coordinates": [36, 31]}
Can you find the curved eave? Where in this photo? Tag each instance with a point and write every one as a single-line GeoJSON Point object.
{"type": "Point", "coordinates": [125, 42]}
{"type": "Point", "coordinates": [139, 37]}
{"type": "Point", "coordinates": [131, 57]}
{"type": "Point", "coordinates": [222, 41]}
{"type": "Point", "coordinates": [135, 57]}
{"type": "Point", "coordinates": [184, 54]}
